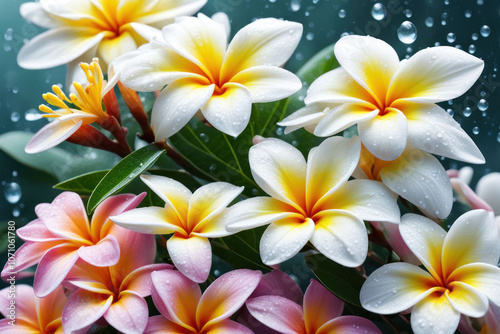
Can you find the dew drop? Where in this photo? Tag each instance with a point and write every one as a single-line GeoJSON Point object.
{"type": "Point", "coordinates": [295, 5]}
{"type": "Point", "coordinates": [379, 12]}
{"type": "Point", "coordinates": [16, 212]}
{"type": "Point", "coordinates": [407, 32]}
{"type": "Point", "coordinates": [482, 105]}
{"type": "Point", "coordinates": [310, 36]}
{"type": "Point", "coordinates": [475, 130]}
{"type": "Point", "coordinates": [14, 117]}
{"type": "Point", "coordinates": [342, 13]}
{"type": "Point", "coordinates": [408, 13]}
{"type": "Point", "coordinates": [498, 137]}
{"type": "Point", "coordinates": [467, 112]}
{"type": "Point", "coordinates": [480, 2]}
{"type": "Point", "coordinates": [12, 192]}
{"type": "Point", "coordinates": [474, 36]}
{"type": "Point", "coordinates": [485, 31]}
{"type": "Point", "coordinates": [451, 37]}
{"type": "Point", "coordinates": [429, 22]}
{"type": "Point", "coordinates": [8, 34]}
{"type": "Point", "coordinates": [468, 14]}
{"type": "Point", "coordinates": [472, 49]}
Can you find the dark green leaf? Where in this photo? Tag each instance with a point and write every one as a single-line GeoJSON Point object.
{"type": "Point", "coordinates": [219, 157]}
{"type": "Point", "coordinates": [123, 173]}
{"type": "Point", "coordinates": [344, 282]}
{"type": "Point", "coordinates": [83, 184]}
{"type": "Point", "coordinates": [56, 161]}
{"type": "Point", "coordinates": [241, 250]}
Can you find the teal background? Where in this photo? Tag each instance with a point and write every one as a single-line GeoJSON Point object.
{"type": "Point", "coordinates": [21, 90]}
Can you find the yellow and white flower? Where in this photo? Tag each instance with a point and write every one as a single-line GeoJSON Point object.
{"type": "Point", "coordinates": [392, 102]}
{"type": "Point", "coordinates": [462, 276]}
{"type": "Point", "coordinates": [82, 29]}
{"type": "Point", "coordinates": [312, 201]}
{"type": "Point", "coordinates": [201, 72]}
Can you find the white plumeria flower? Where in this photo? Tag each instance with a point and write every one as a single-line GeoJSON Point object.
{"type": "Point", "coordinates": [82, 29]}
{"type": "Point", "coordinates": [462, 273]}
{"type": "Point", "coordinates": [201, 72]}
{"type": "Point", "coordinates": [192, 217]}
{"type": "Point", "coordinates": [392, 102]}
{"type": "Point", "coordinates": [312, 201]}
{"type": "Point", "coordinates": [415, 175]}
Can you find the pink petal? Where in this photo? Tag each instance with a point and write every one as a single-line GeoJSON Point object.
{"type": "Point", "coordinates": [349, 325]}
{"type": "Point", "coordinates": [21, 327]}
{"type": "Point", "coordinates": [226, 295]}
{"type": "Point", "coordinates": [468, 195]}
{"type": "Point", "coordinates": [51, 307]}
{"type": "Point", "coordinates": [320, 306]}
{"type": "Point", "coordinates": [28, 255]}
{"type": "Point", "coordinates": [72, 205]}
{"type": "Point", "coordinates": [160, 325]}
{"type": "Point", "coordinates": [129, 314]}
{"type": "Point", "coordinates": [83, 309]}
{"type": "Point", "coordinates": [278, 283]}
{"type": "Point", "coordinates": [103, 254]}
{"type": "Point", "coordinates": [53, 268]}
{"type": "Point", "coordinates": [112, 206]}
{"type": "Point", "coordinates": [278, 313]}
{"type": "Point", "coordinates": [191, 256]}
{"type": "Point", "coordinates": [26, 309]}
{"type": "Point", "coordinates": [36, 231]}
{"type": "Point", "coordinates": [228, 326]}
{"type": "Point", "coordinates": [176, 297]}
{"type": "Point", "coordinates": [139, 281]}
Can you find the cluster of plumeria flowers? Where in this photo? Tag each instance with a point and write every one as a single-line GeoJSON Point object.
{"type": "Point", "coordinates": [102, 270]}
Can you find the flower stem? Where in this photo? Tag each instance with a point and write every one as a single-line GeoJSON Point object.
{"type": "Point", "coordinates": [137, 110]}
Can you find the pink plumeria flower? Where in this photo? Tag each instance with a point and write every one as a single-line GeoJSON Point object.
{"type": "Point", "coordinates": [320, 314]}
{"type": "Point", "coordinates": [184, 309]}
{"type": "Point", "coordinates": [196, 69]}
{"type": "Point", "coordinates": [391, 101]}
{"type": "Point", "coordinates": [115, 293]}
{"type": "Point", "coordinates": [312, 201]}
{"type": "Point", "coordinates": [462, 276]}
{"type": "Point", "coordinates": [31, 314]}
{"type": "Point", "coordinates": [415, 175]}
{"type": "Point", "coordinates": [62, 234]}
{"type": "Point", "coordinates": [192, 217]}
{"type": "Point", "coordinates": [79, 30]}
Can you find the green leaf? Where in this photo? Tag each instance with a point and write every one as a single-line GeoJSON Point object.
{"type": "Point", "coordinates": [241, 250]}
{"type": "Point", "coordinates": [123, 173]}
{"type": "Point", "coordinates": [82, 184]}
{"type": "Point", "coordinates": [344, 282]}
{"type": "Point", "coordinates": [56, 161]}
{"type": "Point", "coordinates": [219, 157]}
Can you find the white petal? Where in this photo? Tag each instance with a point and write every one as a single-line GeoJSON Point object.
{"type": "Point", "coordinates": [223, 19]}
{"type": "Point", "coordinates": [367, 199]}
{"type": "Point", "coordinates": [433, 130]}
{"type": "Point", "coordinates": [329, 166]}
{"type": "Point", "coordinates": [200, 40]}
{"type": "Point", "coordinates": [255, 212]}
{"type": "Point", "coordinates": [165, 11]}
{"type": "Point", "coordinates": [342, 117]}
{"type": "Point", "coordinates": [150, 220]}
{"type": "Point", "coordinates": [488, 188]}
{"type": "Point", "coordinates": [385, 136]}
{"type": "Point", "coordinates": [421, 179]}
{"type": "Point", "coordinates": [472, 238]}
{"type": "Point", "coordinates": [55, 132]}
{"type": "Point", "coordinates": [370, 61]}
{"type": "Point", "coordinates": [191, 256]}
{"type": "Point", "coordinates": [56, 47]}
{"type": "Point", "coordinates": [434, 314]}
{"type": "Point", "coordinates": [152, 68]}
{"type": "Point", "coordinates": [230, 111]}
{"type": "Point", "coordinates": [337, 86]}
{"type": "Point", "coordinates": [425, 239]}
{"type": "Point", "coordinates": [176, 105]}
{"type": "Point", "coordinates": [208, 201]}
{"type": "Point", "coordinates": [467, 300]}
{"type": "Point", "coordinates": [483, 277]}
{"type": "Point", "coordinates": [268, 83]}
{"type": "Point", "coordinates": [34, 13]}
{"type": "Point", "coordinates": [268, 42]}
{"type": "Point", "coordinates": [111, 48]}
{"type": "Point", "coordinates": [341, 237]}
{"type": "Point", "coordinates": [283, 239]}
{"type": "Point", "coordinates": [280, 170]}
{"type": "Point", "coordinates": [434, 75]}
{"type": "Point", "coordinates": [145, 31]}
{"type": "Point", "coordinates": [395, 287]}
{"type": "Point", "coordinates": [308, 116]}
